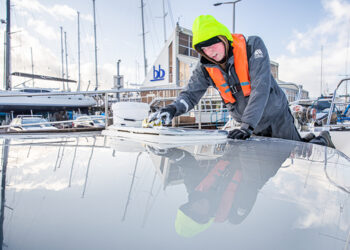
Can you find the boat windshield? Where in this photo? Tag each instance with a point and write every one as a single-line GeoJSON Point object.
{"type": "Point", "coordinates": [322, 104]}
{"type": "Point", "coordinates": [98, 121]}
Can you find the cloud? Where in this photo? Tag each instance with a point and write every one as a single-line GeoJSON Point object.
{"type": "Point", "coordinates": [63, 11]}
{"type": "Point", "coordinates": [56, 11]}
{"type": "Point", "coordinates": [87, 71]}
{"type": "Point", "coordinates": [43, 29]}
{"type": "Point", "coordinates": [87, 17]}
{"type": "Point", "coordinates": [303, 63]}
{"type": "Point", "coordinates": [32, 5]}
{"type": "Point", "coordinates": [46, 62]}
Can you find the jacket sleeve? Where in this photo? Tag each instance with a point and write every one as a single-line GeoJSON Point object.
{"type": "Point", "coordinates": [260, 79]}
{"type": "Point", "coordinates": [193, 92]}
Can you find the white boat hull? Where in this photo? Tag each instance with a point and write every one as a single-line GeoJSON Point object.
{"type": "Point", "coordinates": [25, 103]}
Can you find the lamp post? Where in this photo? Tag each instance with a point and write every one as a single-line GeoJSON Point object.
{"type": "Point", "coordinates": [234, 4]}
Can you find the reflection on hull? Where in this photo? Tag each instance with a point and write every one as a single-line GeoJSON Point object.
{"type": "Point", "coordinates": [207, 195]}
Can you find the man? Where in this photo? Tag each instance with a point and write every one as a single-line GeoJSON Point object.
{"type": "Point", "coordinates": [240, 71]}
{"type": "Point", "coordinates": [226, 187]}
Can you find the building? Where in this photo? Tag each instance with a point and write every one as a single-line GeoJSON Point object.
{"type": "Point", "coordinates": [293, 91]}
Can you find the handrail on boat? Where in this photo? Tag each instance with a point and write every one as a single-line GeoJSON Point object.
{"type": "Point", "coordinates": [333, 99]}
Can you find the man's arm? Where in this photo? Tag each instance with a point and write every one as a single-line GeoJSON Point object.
{"type": "Point", "coordinates": [193, 92]}
{"type": "Point", "coordinates": [260, 78]}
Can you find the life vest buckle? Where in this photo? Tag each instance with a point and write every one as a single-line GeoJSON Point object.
{"type": "Point", "coordinates": [234, 89]}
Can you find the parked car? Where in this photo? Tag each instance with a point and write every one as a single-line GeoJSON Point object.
{"type": "Point", "coordinates": [97, 121]}
{"type": "Point", "coordinates": [26, 123]}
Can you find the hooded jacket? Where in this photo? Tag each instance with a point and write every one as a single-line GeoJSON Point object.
{"type": "Point", "coordinates": [266, 103]}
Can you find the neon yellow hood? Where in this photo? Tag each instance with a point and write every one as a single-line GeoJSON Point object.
{"type": "Point", "coordinates": [187, 227]}
{"type": "Point", "coordinates": [206, 27]}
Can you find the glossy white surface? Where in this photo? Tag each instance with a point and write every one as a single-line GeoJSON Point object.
{"type": "Point", "coordinates": [97, 192]}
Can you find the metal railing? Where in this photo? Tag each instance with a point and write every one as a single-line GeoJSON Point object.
{"type": "Point", "coordinates": [104, 93]}
{"type": "Point", "coordinates": [333, 101]}
{"type": "Point", "coordinates": [106, 99]}
{"type": "Point", "coordinates": [200, 109]}
{"type": "Point", "coordinates": [111, 91]}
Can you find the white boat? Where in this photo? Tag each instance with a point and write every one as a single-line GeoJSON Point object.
{"type": "Point", "coordinates": [11, 101]}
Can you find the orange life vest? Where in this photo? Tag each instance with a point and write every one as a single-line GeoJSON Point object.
{"type": "Point", "coordinates": [241, 67]}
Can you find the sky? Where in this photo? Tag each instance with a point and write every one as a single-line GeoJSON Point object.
{"type": "Point", "coordinates": [293, 31]}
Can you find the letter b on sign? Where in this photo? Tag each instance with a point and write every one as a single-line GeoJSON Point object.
{"type": "Point", "coordinates": [158, 74]}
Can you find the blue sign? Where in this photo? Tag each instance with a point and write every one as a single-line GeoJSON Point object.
{"type": "Point", "coordinates": [159, 74]}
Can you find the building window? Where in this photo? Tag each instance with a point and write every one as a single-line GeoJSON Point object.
{"type": "Point", "coordinates": [170, 53]}
{"type": "Point", "coordinates": [185, 45]}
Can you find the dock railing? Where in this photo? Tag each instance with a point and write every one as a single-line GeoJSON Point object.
{"type": "Point", "coordinates": [205, 114]}
{"type": "Point", "coordinates": [331, 109]}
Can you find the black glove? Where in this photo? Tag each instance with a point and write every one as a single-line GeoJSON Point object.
{"type": "Point", "coordinates": [157, 151]}
{"type": "Point", "coordinates": [241, 134]}
{"type": "Point", "coordinates": [165, 114]}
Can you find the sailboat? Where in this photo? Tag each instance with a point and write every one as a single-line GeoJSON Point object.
{"type": "Point", "coordinates": [11, 100]}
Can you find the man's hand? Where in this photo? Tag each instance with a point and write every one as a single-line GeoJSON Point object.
{"type": "Point", "coordinates": [165, 114]}
{"type": "Point", "coordinates": [240, 134]}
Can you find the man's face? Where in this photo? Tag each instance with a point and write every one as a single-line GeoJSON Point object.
{"type": "Point", "coordinates": [215, 51]}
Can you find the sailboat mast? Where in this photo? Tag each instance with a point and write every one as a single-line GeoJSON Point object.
{"type": "Point", "coordinates": [93, 3]}
{"type": "Point", "coordinates": [143, 39]}
{"type": "Point", "coordinates": [321, 67]}
{"type": "Point", "coordinates": [4, 80]}
{"type": "Point", "coordinates": [62, 63]}
{"type": "Point", "coordinates": [31, 55]}
{"type": "Point", "coordinates": [346, 66]}
{"type": "Point", "coordinates": [78, 52]}
{"type": "Point", "coordinates": [65, 46]}
{"type": "Point", "coordinates": [164, 25]}
{"type": "Point", "coordinates": [8, 46]}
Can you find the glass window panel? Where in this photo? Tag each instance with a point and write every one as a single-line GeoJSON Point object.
{"type": "Point", "coordinates": [183, 39]}
{"type": "Point", "coordinates": [183, 50]}
{"type": "Point", "coordinates": [194, 53]}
